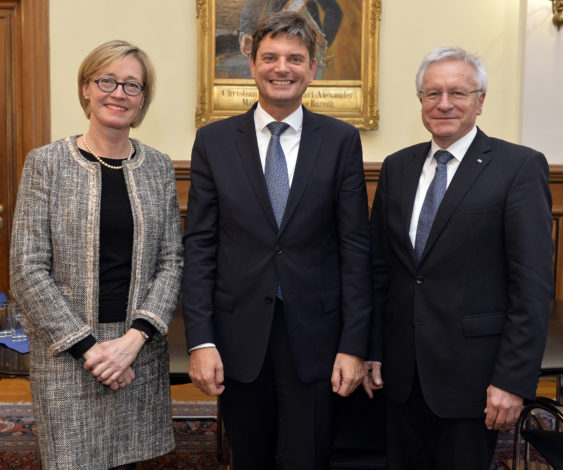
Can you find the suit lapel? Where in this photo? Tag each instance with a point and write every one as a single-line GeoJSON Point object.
{"type": "Point", "coordinates": [247, 147]}
{"type": "Point", "coordinates": [473, 163]}
{"type": "Point", "coordinates": [411, 176]}
{"type": "Point", "coordinates": [306, 158]}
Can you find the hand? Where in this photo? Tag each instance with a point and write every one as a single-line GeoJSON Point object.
{"type": "Point", "coordinates": [122, 381]}
{"type": "Point", "coordinates": [503, 408]}
{"type": "Point", "coordinates": [109, 360]}
{"type": "Point", "coordinates": [206, 371]}
{"type": "Point", "coordinates": [372, 378]}
{"type": "Point", "coordinates": [347, 374]}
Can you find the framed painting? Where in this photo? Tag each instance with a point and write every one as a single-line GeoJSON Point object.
{"type": "Point", "coordinates": [346, 83]}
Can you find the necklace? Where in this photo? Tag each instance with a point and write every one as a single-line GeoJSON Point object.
{"type": "Point", "coordinates": [107, 165]}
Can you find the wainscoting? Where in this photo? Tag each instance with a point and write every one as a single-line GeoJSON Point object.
{"type": "Point", "coordinates": [182, 168]}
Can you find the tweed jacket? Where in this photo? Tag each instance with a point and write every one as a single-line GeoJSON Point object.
{"type": "Point", "coordinates": [54, 278]}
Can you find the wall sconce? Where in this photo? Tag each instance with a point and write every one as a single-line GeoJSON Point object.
{"type": "Point", "coordinates": [557, 7]}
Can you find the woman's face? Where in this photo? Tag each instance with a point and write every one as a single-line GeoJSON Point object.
{"type": "Point", "coordinates": [115, 109]}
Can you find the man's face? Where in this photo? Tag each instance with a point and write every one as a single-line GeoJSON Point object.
{"type": "Point", "coordinates": [452, 115]}
{"type": "Point", "coordinates": [282, 72]}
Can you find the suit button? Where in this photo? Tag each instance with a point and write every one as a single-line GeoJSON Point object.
{"type": "Point", "coordinates": [278, 249]}
{"type": "Point", "coordinates": [420, 280]}
{"type": "Point", "coordinates": [268, 299]}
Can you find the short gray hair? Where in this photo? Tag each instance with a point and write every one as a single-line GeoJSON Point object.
{"type": "Point", "coordinates": [443, 54]}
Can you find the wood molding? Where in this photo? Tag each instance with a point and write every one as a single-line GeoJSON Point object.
{"type": "Point", "coordinates": [31, 85]}
{"type": "Point", "coordinates": [24, 101]}
{"type": "Point", "coordinates": [556, 173]}
{"type": "Point", "coordinates": [372, 171]}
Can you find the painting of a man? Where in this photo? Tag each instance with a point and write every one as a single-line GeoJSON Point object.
{"type": "Point", "coordinates": [338, 27]}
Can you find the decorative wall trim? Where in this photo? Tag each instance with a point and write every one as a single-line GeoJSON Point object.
{"type": "Point", "coordinates": [372, 171]}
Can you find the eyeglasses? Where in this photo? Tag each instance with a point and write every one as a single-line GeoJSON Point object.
{"type": "Point", "coordinates": [453, 95]}
{"type": "Point", "coordinates": [108, 84]}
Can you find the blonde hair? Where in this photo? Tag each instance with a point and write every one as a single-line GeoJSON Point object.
{"type": "Point", "coordinates": [106, 54]}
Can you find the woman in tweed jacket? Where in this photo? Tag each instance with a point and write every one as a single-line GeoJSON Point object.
{"type": "Point", "coordinates": [95, 264]}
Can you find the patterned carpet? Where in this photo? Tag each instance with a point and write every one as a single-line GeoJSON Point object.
{"type": "Point", "coordinates": [196, 443]}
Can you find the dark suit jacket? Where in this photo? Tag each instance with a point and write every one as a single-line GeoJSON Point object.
{"type": "Point", "coordinates": [475, 310]}
{"type": "Point", "coordinates": [235, 255]}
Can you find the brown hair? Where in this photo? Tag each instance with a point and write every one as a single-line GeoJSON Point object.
{"type": "Point", "coordinates": [286, 22]}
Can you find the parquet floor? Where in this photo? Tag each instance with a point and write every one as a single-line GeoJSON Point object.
{"type": "Point", "coordinates": [17, 389]}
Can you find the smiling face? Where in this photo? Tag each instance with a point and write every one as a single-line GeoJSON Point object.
{"type": "Point", "coordinates": [449, 120]}
{"type": "Point", "coordinates": [116, 109]}
{"type": "Point", "coordinates": [282, 72]}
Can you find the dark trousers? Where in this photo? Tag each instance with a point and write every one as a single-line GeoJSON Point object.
{"type": "Point", "coordinates": [277, 421]}
{"type": "Point", "coordinates": [417, 438]}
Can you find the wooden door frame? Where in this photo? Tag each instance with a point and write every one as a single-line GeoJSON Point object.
{"type": "Point", "coordinates": [29, 92]}
{"type": "Point", "coordinates": [32, 90]}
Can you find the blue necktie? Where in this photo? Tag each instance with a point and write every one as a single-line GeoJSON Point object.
{"type": "Point", "coordinates": [432, 201]}
{"type": "Point", "coordinates": [275, 172]}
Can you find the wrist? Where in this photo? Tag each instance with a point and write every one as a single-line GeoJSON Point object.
{"type": "Point", "coordinates": [137, 336]}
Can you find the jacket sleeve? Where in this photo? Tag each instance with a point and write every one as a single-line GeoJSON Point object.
{"type": "Point", "coordinates": [353, 228]}
{"type": "Point", "coordinates": [379, 267]}
{"type": "Point", "coordinates": [528, 226]}
{"type": "Point", "coordinates": [46, 309]}
{"type": "Point", "coordinates": [200, 250]}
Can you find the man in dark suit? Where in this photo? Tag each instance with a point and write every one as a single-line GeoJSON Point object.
{"type": "Point", "coordinates": [277, 285]}
{"type": "Point", "coordinates": [463, 284]}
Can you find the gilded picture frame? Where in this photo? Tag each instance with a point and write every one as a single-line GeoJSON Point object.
{"type": "Point", "coordinates": [346, 86]}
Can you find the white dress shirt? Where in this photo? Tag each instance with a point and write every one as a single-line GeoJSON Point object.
{"type": "Point", "coordinates": [458, 149]}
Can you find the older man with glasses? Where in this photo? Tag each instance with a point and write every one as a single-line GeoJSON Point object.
{"type": "Point", "coordinates": [462, 263]}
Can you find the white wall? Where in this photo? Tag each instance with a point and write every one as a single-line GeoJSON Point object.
{"type": "Point", "coordinates": [542, 110]}
{"type": "Point", "coordinates": [167, 31]}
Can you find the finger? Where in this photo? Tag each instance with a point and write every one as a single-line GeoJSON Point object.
{"type": "Point", "coordinates": [347, 387]}
{"type": "Point", "coordinates": [336, 380]}
{"type": "Point", "coordinates": [129, 375]}
{"type": "Point", "coordinates": [376, 377]}
{"type": "Point", "coordinates": [210, 389]}
{"type": "Point", "coordinates": [219, 376]}
{"type": "Point", "coordinates": [512, 415]}
{"type": "Point", "coordinates": [113, 376]}
{"type": "Point", "coordinates": [215, 390]}
{"type": "Point", "coordinates": [490, 417]}
{"type": "Point", "coordinates": [102, 371]}
{"type": "Point", "coordinates": [93, 362]}
{"type": "Point", "coordinates": [500, 420]}
{"type": "Point", "coordinates": [368, 385]}
{"type": "Point", "coordinates": [114, 387]}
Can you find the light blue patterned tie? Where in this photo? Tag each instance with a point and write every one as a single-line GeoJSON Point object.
{"type": "Point", "coordinates": [275, 171]}
{"type": "Point", "coordinates": [432, 201]}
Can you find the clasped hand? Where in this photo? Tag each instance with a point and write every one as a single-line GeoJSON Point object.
{"type": "Point", "coordinates": [347, 374]}
{"type": "Point", "coordinates": [110, 361]}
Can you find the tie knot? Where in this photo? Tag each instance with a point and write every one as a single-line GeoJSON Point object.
{"type": "Point", "coordinates": [443, 156]}
{"type": "Point", "coordinates": [277, 128]}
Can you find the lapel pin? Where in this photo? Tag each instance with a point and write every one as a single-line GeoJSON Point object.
{"type": "Point", "coordinates": [479, 160]}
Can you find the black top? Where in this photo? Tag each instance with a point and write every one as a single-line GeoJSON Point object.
{"type": "Point", "coordinates": [116, 253]}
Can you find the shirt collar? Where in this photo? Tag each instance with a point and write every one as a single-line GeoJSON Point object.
{"type": "Point", "coordinates": [262, 119]}
{"type": "Point", "coordinates": [459, 148]}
